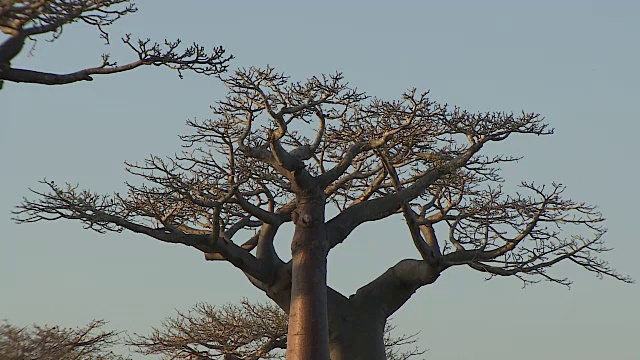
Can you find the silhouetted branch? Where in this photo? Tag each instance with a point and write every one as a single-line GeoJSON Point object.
{"type": "Point", "coordinates": [27, 19]}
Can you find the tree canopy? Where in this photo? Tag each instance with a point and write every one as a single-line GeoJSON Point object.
{"type": "Point", "coordinates": [372, 158]}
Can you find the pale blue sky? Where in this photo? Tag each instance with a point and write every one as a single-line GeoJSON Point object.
{"type": "Point", "coordinates": [576, 62]}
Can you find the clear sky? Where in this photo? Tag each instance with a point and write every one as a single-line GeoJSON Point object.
{"type": "Point", "coordinates": [576, 62]}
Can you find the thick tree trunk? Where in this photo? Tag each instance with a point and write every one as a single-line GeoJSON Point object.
{"type": "Point", "coordinates": [355, 331]}
{"type": "Point", "coordinates": [308, 336]}
{"type": "Point", "coordinates": [356, 324]}
{"type": "Point", "coordinates": [358, 337]}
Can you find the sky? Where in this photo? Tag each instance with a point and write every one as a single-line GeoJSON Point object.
{"type": "Point", "coordinates": [575, 62]}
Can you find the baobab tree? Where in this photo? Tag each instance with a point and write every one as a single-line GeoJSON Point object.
{"type": "Point", "coordinates": [23, 20]}
{"type": "Point", "coordinates": [278, 152]}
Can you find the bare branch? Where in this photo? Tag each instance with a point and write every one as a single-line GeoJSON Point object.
{"type": "Point", "coordinates": [35, 17]}
{"type": "Point", "coordinates": [102, 213]}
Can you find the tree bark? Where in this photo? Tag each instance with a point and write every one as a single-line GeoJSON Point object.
{"type": "Point", "coordinates": [356, 329]}
{"type": "Point", "coordinates": [355, 324]}
{"type": "Point", "coordinates": [359, 335]}
{"type": "Point", "coordinates": [308, 336]}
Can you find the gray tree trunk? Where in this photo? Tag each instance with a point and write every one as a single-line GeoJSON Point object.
{"type": "Point", "coordinates": [356, 324]}
{"type": "Point", "coordinates": [307, 338]}
{"type": "Point", "coordinates": [358, 337]}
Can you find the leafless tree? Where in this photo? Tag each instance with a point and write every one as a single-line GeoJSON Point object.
{"type": "Point", "coordinates": [90, 342]}
{"type": "Point", "coordinates": [248, 331]}
{"type": "Point", "coordinates": [22, 20]}
{"type": "Point", "coordinates": [244, 331]}
{"type": "Point", "coordinates": [278, 151]}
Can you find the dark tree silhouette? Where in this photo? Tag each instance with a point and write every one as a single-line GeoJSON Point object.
{"type": "Point", "coordinates": [278, 151]}
{"type": "Point", "coordinates": [22, 20]}
{"type": "Point", "coordinates": [89, 342]}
